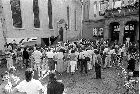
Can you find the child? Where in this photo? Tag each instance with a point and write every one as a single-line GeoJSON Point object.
{"type": "Point", "coordinates": [6, 86]}
{"type": "Point", "coordinates": [12, 78]}
{"type": "Point", "coordinates": [9, 60]}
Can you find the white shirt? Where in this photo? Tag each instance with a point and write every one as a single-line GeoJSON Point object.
{"type": "Point", "coordinates": [50, 54]}
{"type": "Point", "coordinates": [59, 55]}
{"type": "Point", "coordinates": [83, 54]}
{"type": "Point", "coordinates": [112, 51]}
{"type": "Point", "coordinates": [31, 87]}
{"type": "Point", "coordinates": [105, 50]}
{"type": "Point", "coordinates": [37, 56]}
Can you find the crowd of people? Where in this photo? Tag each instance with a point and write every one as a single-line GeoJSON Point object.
{"type": "Point", "coordinates": [83, 56]}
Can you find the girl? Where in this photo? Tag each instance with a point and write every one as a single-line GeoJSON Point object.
{"type": "Point", "coordinates": [12, 78]}
{"type": "Point", "coordinates": [6, 86]}
{"type": "Point", "coordinates": [9, 60]}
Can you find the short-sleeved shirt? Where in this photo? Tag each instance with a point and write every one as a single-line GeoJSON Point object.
{"type": "Point", "coordinates": [37, 56]}
{"type": "Point", "coordinates": [31, 87]}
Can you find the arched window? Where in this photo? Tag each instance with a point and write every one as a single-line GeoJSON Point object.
{"type": "Point", "coordinates": [36, 14]}
{"type": "Point", "coordinates": [16, 13]}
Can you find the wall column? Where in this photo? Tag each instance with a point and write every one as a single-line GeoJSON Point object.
{"type": "Point", "coordinates": [137, 32]}
{"type": "Point", "coordinates": [106, 32]}
{"type": "Point", "coordinates": [121, 34]}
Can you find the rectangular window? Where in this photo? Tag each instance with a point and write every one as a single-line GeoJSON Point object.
{"type": "Point", "coordinates": [36, 14]}
{"type": "Point", "coordinates": [16, 13]}
{"type": "Point", "coordinates": [75, 20]}
{"type": "Point", "coordinates": [50, 14]}
{"type": "Point", "coordinates": [95, 8]}
{"type": "Point", "coordinates": [68, 16]}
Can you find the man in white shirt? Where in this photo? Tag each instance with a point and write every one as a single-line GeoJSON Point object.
{"type": "Point", "coordinates": [37, 55]}
{"type": "Point", "coordinates": [106, 50]}
{"type": "Point", "coordinates": [82, 56]}
{"type": "Point", "coordinates": [30, 85]}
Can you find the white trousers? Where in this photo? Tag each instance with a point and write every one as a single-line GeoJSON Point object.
{"type": "Point", "coordinates": [73, 65]}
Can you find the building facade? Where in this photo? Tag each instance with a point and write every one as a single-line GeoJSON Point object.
{"type": "Point", "coordinates": [93, 22]}
{"type": "Point", "coordinates": [116, 19]}
{"type": "Point", "coordinates": [122, 21]}
{"type": "Point", "coordinates": [67, 18]}
{"type": "Point", "coordinates": [42, 18]}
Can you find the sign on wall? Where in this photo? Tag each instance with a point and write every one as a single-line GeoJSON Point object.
{"type": "Point", "coordinates": [97, 32]}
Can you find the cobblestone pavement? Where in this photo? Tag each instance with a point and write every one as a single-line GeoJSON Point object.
{"type": "Point", "coordinates": [87, 84]}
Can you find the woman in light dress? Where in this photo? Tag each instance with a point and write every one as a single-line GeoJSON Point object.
{"type": "Point", "coordinates": [90, 55]}
{"type": "Point", "coordinates": [60, 63]}
{"type": "Point", "coordinates": [67, 62]}
{"type": "Point", "coordinates": [73, 61]}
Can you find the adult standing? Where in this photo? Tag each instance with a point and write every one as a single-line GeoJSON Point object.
{"type": "Point", "coordinates": [98, 66]}
{"type": "Point", "coordinates": [131, 64]}
{"type": "Point", "coordinates": [83, 56]}
{"type": "Point", "coordinates": [54, 87]}
{"type": "Point", "coordinates": [60, 63]}
{"type": "Point", "coordinates": [73, 61]}
{"type": "Point", "coordinates": [19, 58]}
{"type": "Point", "coordinates": [51, 63]}
{"type": "Point", "coordinates": [29, 85]}
{"type": "Point", "coordinates": [37, 55]}
{"type": "Point", "coordinates": [25, 57]}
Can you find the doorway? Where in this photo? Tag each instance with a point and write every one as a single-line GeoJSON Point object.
{"type": "Point", "coordinates": [130, 31]}
{"type": "Point", "coordinates": [114, 31]}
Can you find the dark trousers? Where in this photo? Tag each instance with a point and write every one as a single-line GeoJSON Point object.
{"type": "Point", "coordinates": [83, 65]}
{"type": "Point", "coordinates": [98, 71]}
{"type": "Point", "coordinates": [51, 64]}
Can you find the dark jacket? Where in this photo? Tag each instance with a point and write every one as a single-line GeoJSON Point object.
{"type": "Point", "coordinates": [55, 87]}
{"type": "Point", "coordinates": [131, 64]}
{"type": "Point", "coordinates": [25, 55]}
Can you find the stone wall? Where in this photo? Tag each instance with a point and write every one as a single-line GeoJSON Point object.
{"type": "Point", "coordinates": [92, 12]}
{"type": "Point", "coordinates": [59, 11]}
{"type": "Point", "coordinates": [28, 29]}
